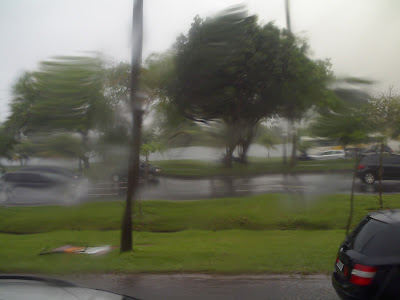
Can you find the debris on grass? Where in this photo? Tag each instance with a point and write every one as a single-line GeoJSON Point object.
{"type": "Point", "coordinates": [99, 250]}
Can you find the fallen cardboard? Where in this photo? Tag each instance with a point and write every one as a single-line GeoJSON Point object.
{"type": "Point", "coordinates": [99, 250]}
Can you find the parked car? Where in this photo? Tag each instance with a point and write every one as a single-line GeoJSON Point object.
{"type": "Point", "coordinates": [368, 168]}
{"type": "Point", "coordinates": [368, 261]}
{"type": "Point", "coordinates": [376, 149]}
{"type": "Point", "coordinates": [122, 174]}
{"type": "Point", "coordinates": [30, 187]}
{"type": "Point", "coordinates": [304, 156]}
{"type": "Point", "coordinates": [330, 154]}
{"type": "Point", "coordinates": [353, 152]}
{"type": "Point", "coordinates": [53, 170]}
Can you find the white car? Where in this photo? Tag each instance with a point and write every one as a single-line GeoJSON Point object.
{"type": "Point", "coordinates": [330, 154]}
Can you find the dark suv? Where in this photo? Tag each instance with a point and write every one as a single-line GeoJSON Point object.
{"type": "Point", "coordinates": [368, 262]}
{"type": "Point", "coordinates": [368, 168]}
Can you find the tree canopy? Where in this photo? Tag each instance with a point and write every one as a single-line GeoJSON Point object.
{"type": "Point", "coordinates": [234, 69]}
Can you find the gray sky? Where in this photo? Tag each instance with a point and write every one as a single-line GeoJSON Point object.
{"type": "Point", "coordinates": [359, 36]}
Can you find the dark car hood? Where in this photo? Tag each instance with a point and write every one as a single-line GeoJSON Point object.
{"type": "Point", "coordinates": [15, 287]}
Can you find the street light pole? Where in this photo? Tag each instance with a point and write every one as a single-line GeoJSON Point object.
{"type": "Point", "coordinates": [287, 8]}
{"type": "Point", "coordinates": [291, 121]}
{"type": "Point", "coordinates": [136, 131]}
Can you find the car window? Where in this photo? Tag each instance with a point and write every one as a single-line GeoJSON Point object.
{"type": "Point", "coordinates": [33, 178]}
{"type": "Point", "coordinates": [12, 177]}
{"type": "Point", "coordinates": [371, 239]}
{"type": "Point", "coordinates": [379, 245]}
{"type": "Point", "coordinates": [372, 159]}
{"type": "Point", "coordinates": [395, 159]}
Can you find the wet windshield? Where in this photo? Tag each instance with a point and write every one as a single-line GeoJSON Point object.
{"type": "Point", "coordinates": [141, 141]}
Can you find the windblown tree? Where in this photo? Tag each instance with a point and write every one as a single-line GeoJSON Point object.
{"type": "Point", "coordinates": [14, 132]}
{"type": "Point", "coordinates": [226, 70]}
{"type": "Point", "coordinates": [61, 145]}
{"type": "Point", "coordinates": [71, 99]}
{"type": "Point", "coordinates": [7, 143]}
{"type": "Point", "coordinates": [346, 119]}
{"type": "Point", "coordinates": [25, 94]}
{"type": "Point", "coordinates": [303, 84]}
{"type": "Point", "coordinates": [384, 115]}
{"type": "Point", "coordinates": [232, 69]}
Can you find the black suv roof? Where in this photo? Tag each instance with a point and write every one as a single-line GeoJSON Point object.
{"type": "Point", "coordinates": [387, 216]}
{"type": "Point", "coordinates": [375, 156]}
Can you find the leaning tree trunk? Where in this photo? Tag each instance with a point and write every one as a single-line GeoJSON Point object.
{"type": "Point", "coordinates": [146, 170]}
{"type": "Point", "coordinates": [250, 132]}
{"type": "Point", "coordinates": [85, 142]}
{"type": "Point", "coordinates": [232, 142]}
{"type": "Point", "coordinates": [293, 159]}
{"type": "Point", "coordinates": [229, 155]}
{"type": "Point", "coordinates": [85, 160]}
{"type": "Point", "coordinates": [284, 153]}
{"type": "Point", "coordinates": [245, 148]}
{"type": "Point", "coordinates": [284, 145]}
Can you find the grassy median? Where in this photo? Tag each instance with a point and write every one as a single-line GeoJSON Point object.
{"type": "Point", "coordinates": [228, 251]}
{"type": "Point", "coordinates": [259, 234]}
{"type": "Point", "coordinates": [255, 166]}
{"type": "Point", "coordinates": [261, 212]}
{"type": "Point", "coordinates": [199, 168]}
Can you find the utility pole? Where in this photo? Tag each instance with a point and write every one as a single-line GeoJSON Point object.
{"type": "Point", "coordinates": [291, 121]}
{"type": "Point", "coordinates": [137, 117]}
{"type": "Point", "coordinates": [288, 16]}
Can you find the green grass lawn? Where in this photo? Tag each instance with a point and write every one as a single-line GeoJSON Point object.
{"type": "Point", "coordinates": [255, 166]}
{"type": "Point", "coordinates": [259, 234]}
{"type": "Point", "coordinates": [198, 168]}
{"type": "Point", "coordinates": [228, 251]}
{"type": "Point", "coordinates": [262, 212]}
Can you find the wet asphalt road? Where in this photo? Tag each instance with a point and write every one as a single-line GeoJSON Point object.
{"type": "Point", "coordinates": [193, 287]}
{"type": "Point", "coordinates": [304, 185]}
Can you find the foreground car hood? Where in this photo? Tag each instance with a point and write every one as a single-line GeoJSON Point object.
{"type": "Point", "coordinates": [17, 289]}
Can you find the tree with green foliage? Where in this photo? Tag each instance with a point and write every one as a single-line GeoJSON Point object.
{"type": "Point", "coordinates": [146, 149]}
{"type": "Point", "coordinates": [23, 150]}
{"type": "Point", "coordinates": [63, 145]}
{"type": "Point", "coordinates": [231, 68]}
{"type": "Point", "coordinates": [303, 84]}
{"type": "Point", "coordinates": [226, 70]}
{"type": "Point", "coordinates": [384, 114]}
{"type": "Point", "coordinates": [347, 118]}
{"type": "Point", "coordinates": [71, 99]}
{"type": "Point", "coordinates": [7, 143]}
{"type": "Point", "coordinates": [268, 140]}
{"type": "Point", "coordinates": [25, 94]}
{"type": "Point", "coordinates": [15, 144]}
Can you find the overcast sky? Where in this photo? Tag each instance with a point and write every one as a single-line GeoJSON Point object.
{"type": "Point", "coordinates": [361, 37]}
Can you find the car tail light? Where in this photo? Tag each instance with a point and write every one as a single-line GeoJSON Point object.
{"type": "Point", "coordinates": [360, 167]}
{"type": "Point", "coordinates": [362, 275]}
